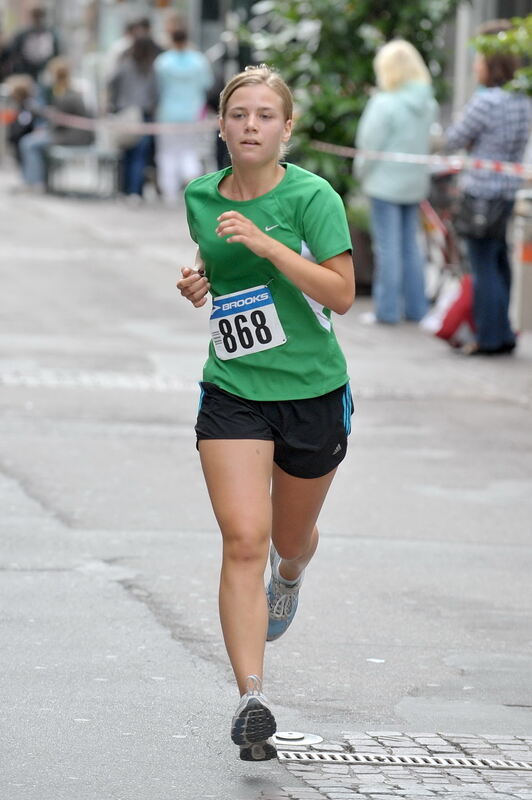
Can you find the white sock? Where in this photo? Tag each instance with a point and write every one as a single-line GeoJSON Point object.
{"type": "Point", "coordinates": [285, 581]}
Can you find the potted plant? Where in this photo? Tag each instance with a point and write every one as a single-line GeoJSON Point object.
{"type": "Point", "coordinates": [358, 217]}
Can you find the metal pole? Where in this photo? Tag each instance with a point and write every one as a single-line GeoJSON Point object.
{"type": "Point", "coordinates": [462, 57]}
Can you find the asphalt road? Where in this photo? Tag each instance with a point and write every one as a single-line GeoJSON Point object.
{"type": "Point", "coordinates": [416, 614]}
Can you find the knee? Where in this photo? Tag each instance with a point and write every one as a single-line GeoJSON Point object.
{"type": "Point", "coordinates": [245, 548]}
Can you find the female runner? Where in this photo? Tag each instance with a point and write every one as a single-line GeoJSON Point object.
{"type": "Point", "coordinates": [275, 254]}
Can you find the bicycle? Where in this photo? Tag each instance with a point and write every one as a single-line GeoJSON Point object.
{"type": "Point", "coordinates": [445, 257]}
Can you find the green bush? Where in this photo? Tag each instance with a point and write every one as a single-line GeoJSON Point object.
{"type": "Point", "coordinates": [518, 41]}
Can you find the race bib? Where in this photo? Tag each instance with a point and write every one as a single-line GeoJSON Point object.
{"type": "Point", "coordinates": [245, 322]}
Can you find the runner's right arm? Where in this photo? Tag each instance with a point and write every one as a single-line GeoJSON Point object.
{"type": "Point", "coordinates": [194, 286]}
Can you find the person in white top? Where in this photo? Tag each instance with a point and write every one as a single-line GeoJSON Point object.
{"type": "Point", "coordinates": [183, 77]}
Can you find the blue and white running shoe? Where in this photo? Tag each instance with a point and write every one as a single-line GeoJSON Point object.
{"type": "Point", "coordinates": [253, 723]}
{"type": "Point", "coordinates": [282, 599]}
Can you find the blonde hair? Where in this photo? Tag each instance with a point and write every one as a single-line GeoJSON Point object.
{"type": "Point", "coordinates": [253, 76]}
{"type": "Point", "coordinates": [59, 69]}
{"type": "Point", "coordinates": [398, 62]}
{"type": "Point", "coordinates": [20, 87]}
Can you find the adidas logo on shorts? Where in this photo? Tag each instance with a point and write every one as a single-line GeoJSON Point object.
{"type": "Point", "coordinates": [337, 449]}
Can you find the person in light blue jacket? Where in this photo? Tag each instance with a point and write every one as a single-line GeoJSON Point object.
{"type": "Point", "coordinates": [183, 77]}
{"type": "Point", "coordinates": [397, 118]}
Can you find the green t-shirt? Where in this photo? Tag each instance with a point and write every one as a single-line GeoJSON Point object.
{"type": "Point", "coordinates": [304, 213]}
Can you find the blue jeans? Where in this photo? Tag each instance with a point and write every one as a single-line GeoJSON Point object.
{"type": "Point", "coordinates": [134, 162]}
{"type": "Point", "coordinates": [32, 148]}
{"type": "Point", "coordinates": [399, 283]}
{"type": "Point", "coordinates": [492, 278]}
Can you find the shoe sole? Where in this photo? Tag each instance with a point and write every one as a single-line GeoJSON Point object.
{"type": "Point", "coordinates": [254, 724]}
{"type": "Point", "coordinates": [261, 751]}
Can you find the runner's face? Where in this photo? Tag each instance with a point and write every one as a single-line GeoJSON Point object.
{"type": "Point", "coordinates": [254, 126]}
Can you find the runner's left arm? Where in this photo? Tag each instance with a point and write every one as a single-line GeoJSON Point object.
{"type": "Point", "coordinates": [331, 283]}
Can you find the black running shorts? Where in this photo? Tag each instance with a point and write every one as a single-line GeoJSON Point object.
{"type": "Point", "coordinates": [310, 436]}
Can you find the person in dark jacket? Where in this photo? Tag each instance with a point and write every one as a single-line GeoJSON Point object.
{"type": "Point", "coordinates": [34, 47]}
{"type": "Point", "coordinates": [5, 57]}
{"type": "Point", "coordinates": [133, 84]}
{"type": "Point", "coordinates": [495, 124]}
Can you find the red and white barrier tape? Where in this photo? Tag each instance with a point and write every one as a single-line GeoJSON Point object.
{"type": "Point", "coordinates": [147, 128]}
{"type": "Point", "coordinates": [453, 163]}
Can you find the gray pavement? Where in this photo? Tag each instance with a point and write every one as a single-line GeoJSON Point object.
{"type": "Point", "coordinates": [415, 616]}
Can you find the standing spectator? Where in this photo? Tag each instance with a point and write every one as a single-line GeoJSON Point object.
{"type": "Point", "coordinates": [5, 57]}
{"type": "Point", "coordinates": [142, 30]}
{"type": "Point", "coordinates": [495, 124]}
{"type": "Point", "coordinates": [118, 49]}
{"type": "Point", "coordinates": [133, 29]}
{"type": "Point", "coordinates": [183, 75]}
{"type": "Point", "coordinates": [134, 84]}
{"type": "Point", "coordinates": [60, 96]}
{"type": "Point", "coordinates": [33, 47]}
{"type": "Point", "coordinates": [397, 118]}
{"type": "Point", "coordinates": [173, 21]}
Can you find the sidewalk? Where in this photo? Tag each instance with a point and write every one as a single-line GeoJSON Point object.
{"type": "Point", "coordinates": [478, 767]}
{"type": "Point", "coordinates": [415, 617]}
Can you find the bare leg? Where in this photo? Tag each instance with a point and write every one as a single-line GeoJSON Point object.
{"type": "Point", "coordinates": [296, 504]}
{"type": "Point", "coordinates": [238, 475]}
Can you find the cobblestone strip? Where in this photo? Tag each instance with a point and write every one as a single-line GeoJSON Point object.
{"type": "Point", "coordinates": [328, 781]}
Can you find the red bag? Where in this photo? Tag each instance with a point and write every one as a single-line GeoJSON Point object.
{"type": "Point", "coordinates": [460, 312]}
{"type": "Point", "coordinates": [451, 318]}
